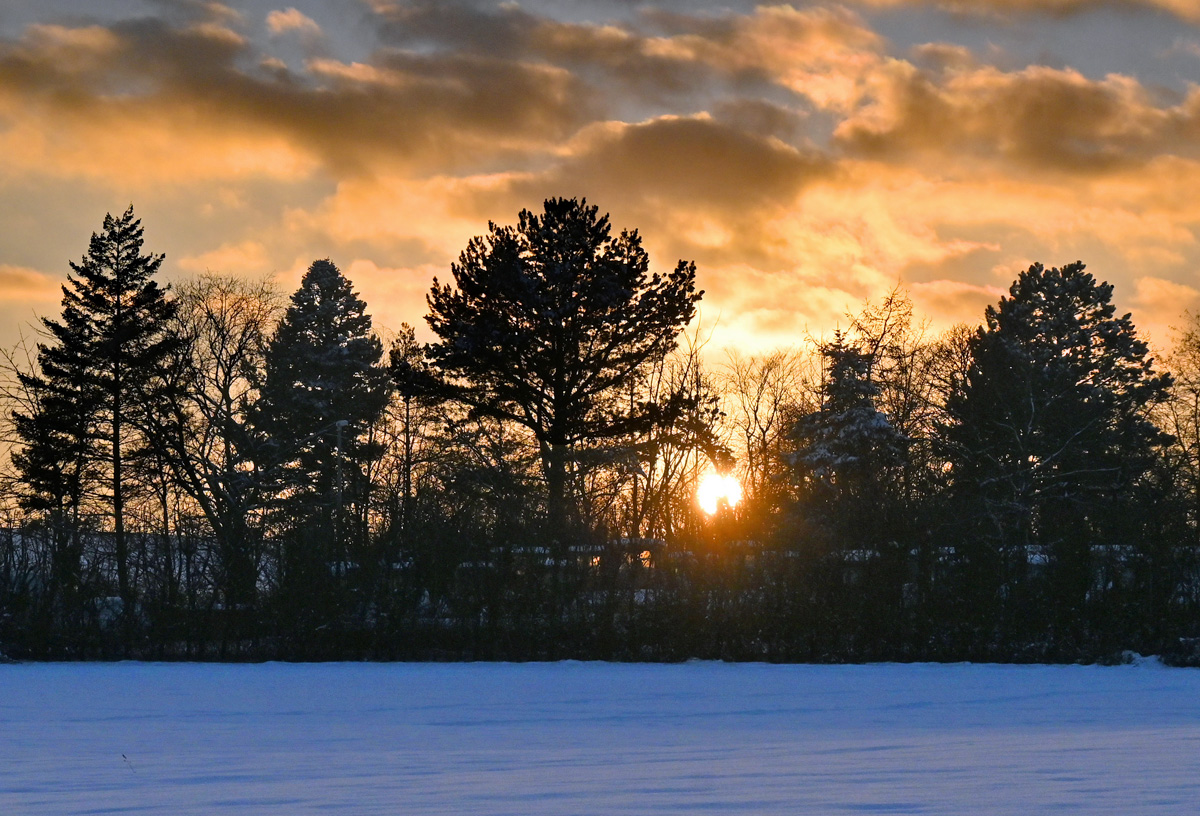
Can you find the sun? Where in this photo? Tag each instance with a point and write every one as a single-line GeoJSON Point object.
{"type": "Point", "coordinates": [715, 490]}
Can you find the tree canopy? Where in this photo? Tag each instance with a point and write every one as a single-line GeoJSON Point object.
{"type": "Point", "coordinates": [1050, 432]}
{"type": "Point", "coordinates": [96, 377]}
{"type": "Point", "coordinates": [322, 388]}
{"type": "Point", "coordinates": [548, 320]}
{"type": "Point", "coordinates": [213, 473]}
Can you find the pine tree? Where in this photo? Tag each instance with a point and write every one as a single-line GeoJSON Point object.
{"type": "Point", "coordinates": [1049, 436]}
{"type": "Point", "coordinates": [848, 460]}
{"type": "Point", "coordinates": [56, 463]}
{"type": "Point", "coordinates": [847, 447]}
{"type": "Point", "coordinates": [321, 391]}
{"type": "Point", "coordinates": [549, 323]}
{"type": "Point", "coordinates": [96, 379]}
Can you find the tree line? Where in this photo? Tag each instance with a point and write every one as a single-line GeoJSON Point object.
{"type": "Point", "coordinates": [213, 471]}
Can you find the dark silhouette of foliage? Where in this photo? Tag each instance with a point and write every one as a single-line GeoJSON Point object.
{"type": "Point", "coordinates": [417, 389]}
{"type": "Point", "coordinates": [224, 325]}
{"type": "Point", "coordinates": [525, 487]}
{"type": "Point", "coordinates": [96, 379]}
{"type": "Point", "coordinates": [549, 320]}
{"type": "Point", "coordinates": [321, 391]}
{"type": "Point", "coordinates": [847, 447]}
{"type": "Point", "coordinates": [1050, 436]}
{"type": "Point", "coordinates": [848, 460]}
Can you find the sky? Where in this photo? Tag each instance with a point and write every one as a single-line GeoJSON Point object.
{"type": "Point", "coordinates": [807, 157]}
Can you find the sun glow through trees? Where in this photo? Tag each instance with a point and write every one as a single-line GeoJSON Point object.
{"type": "Point", "coordinates": [715, 490]}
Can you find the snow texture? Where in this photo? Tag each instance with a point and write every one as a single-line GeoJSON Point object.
{"type": "Point", "coordinates": [592, 738]}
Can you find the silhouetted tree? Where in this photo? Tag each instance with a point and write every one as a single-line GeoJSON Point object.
{"type": "Point", "coordinates": [547, 323]}
{"type": "Point", "coordinates": [1050, 435]}
{"type": "Point", "coordinates": [657, 468]}
{"type": "Point", "coordinates": [1181, 414]}
{"type": "Point", "coordinates": [766, 395]}
{"type": "Point", "coordinates": [847, 449]}
{"type": "Point", "coordinates": [56, 472]}
{"type": "Point", "coordinates": [416, 390]}
{"type": "Point", "coordinates": [321, 390]}
{"type": "Point", "coordinates": [1171, 582]}
{"type": "Point", "coordinates": [224, 324]}
{"type": "Point", "coordinates": [847, 460]}
{"type": "Point", "coordinates": [97, 371]}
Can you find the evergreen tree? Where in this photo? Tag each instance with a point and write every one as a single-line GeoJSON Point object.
{"type": "Point", "coordinates": [1050, 438]}
{"type": "Point", "coordinates": [321, 391]}
{"type": "Point", "coordinates": [96, 378]}
{"type": "Point", "coordinates": [847, 447]}
{"type": "Point", "coordinates": [549, 323]}
{"type": "Point", "coordinates": [849, 458]}
{"type": "Point", "coordinates": [56, 463]}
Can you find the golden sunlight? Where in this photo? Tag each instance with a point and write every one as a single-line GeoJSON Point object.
{"type": "Point", "coordinates": [715, 490]}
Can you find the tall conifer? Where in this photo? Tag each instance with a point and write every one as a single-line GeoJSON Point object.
{"type": "Point", "coordinates": [1050, 435]}
{"type": "Point", "coordinates": [322, 389]}
{"type": "Point", "coordinates": [97, 369]}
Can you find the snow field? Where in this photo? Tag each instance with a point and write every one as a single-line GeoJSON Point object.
{"type": "Point", "coordinates": [596, 738]}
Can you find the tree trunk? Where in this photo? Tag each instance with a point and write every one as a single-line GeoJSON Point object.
{"type": "Point", "coordinates": [406, 504]}
{"type": "Point", "coordinates": [120, 545]}
{"type": "Point", "coordinates": [556, 480]}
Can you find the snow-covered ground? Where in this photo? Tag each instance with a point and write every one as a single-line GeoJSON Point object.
{"type": "Point", "coordinates": [593, 738]}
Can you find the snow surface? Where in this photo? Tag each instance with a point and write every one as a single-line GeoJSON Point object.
{"type": "Point", "coordinates": [595, 738]}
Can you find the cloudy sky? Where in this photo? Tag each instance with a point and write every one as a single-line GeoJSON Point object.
{"type": "Point", "coordinates": [806, 156]}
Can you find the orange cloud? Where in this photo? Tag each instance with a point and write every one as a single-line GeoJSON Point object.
{"type": "Point", "coordinates": [291, 19]}
{"type": "Point", "coordinates": [181, 96]}
{"type": "Point", "coordinates": [22, 283]}
{"type": "Point", "coordinates": [1159, 303]}
{"type": "Point", "coordinates": [1042, 119]}
{"type": "Point", "coordinates": [248, 258]}
{"type": "Point", "coordinates": [947, 302]}
{"type": "Point", "coordinates": [1185, 9]}
{"type": "Point", "coordinates": [25, 295]}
